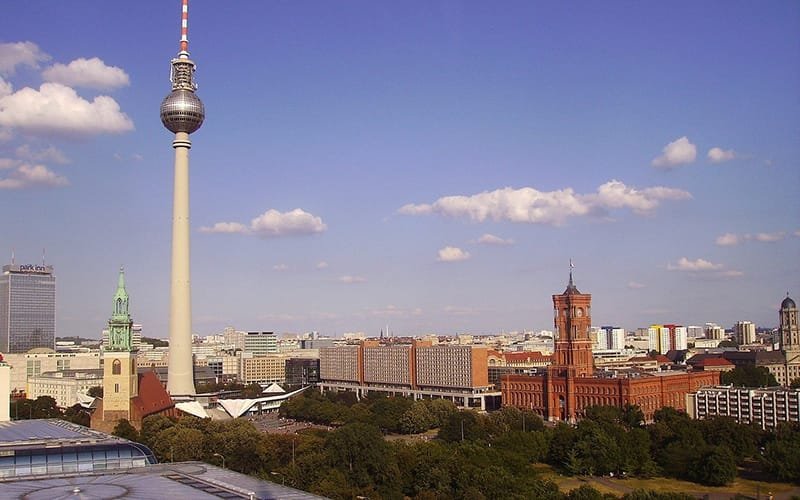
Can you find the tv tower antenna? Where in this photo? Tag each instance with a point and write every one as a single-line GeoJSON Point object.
{"type": "Point", "coordinates": [182, 113]}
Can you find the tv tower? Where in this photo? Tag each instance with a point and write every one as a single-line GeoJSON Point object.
{"type": "Point", "coordinates": [182, 113]}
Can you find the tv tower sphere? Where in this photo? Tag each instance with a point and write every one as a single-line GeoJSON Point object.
{"type": "Point", "coordinates": [182, 111]}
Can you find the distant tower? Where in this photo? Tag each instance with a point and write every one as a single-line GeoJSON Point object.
{"type": "Point", "coordinates": [789, 330]}
{"type": "Point", "coordinates": [182, 113]}
{"type": "Point", "coordinates": [572, 313]}
{"type": "Point", "coordinates": [120, 374]}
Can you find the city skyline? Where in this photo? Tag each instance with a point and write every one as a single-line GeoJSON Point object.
{"type": "Point", "coordinates": [429, 166]}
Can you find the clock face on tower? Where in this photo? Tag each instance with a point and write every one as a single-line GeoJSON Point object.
{"type": "Point", "coordinates": [579, 312]}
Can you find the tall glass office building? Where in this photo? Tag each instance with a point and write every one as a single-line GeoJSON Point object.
{"type": "Point", "coordinates": [27, 307]}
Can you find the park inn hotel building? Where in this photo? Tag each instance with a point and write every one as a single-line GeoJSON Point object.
{"type": "Point", "coordinates": [27, 308]}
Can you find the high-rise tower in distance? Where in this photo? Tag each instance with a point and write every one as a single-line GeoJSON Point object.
{"type": "Point", "coordinates": [27, 307]}
{"type": "Point", "coordinates": [182, 113]}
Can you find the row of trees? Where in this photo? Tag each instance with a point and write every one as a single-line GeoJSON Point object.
{"type": "Point", "coordinates": [355, 459]}
{"type": "Point", "coordinates": [389, 414]}
{"type": "Point", "coordinates": [45, 407]}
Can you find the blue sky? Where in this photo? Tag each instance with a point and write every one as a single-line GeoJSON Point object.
{"type": "Point", "coordinates": [430, 165]}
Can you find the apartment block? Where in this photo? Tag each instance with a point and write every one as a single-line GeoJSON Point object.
{"type": "Point", "coordinates": [765, 408]}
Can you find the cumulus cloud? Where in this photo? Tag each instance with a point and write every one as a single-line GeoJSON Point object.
{"type": "Point", "coordinates": [728, 239]}
{"type": "Point", "coordinates": [490, 239]}
{"type": "Point", "coordinates": [685, 264]}
{"type": "Point", "coordinates": [20, 53]}
{"type": "Point", "coordinates": [280, 267]}
{"type": "Point", "coordinates": [88, 73]}
{"type": "Point", "coordinates": [351, 280]}
{"type": "Point", "coordinates": [30, 176]}
{"type": "Point", "coordinates": [273, 224]}
{"type": "Point", "coordinates": [322, 265]}
{"type": "Point", "coordinates": [731, 239]}
{"type": "Point", "coordinates": [50, 154]}
{"type": "Point", "coordinates": [57, 109]}
{"type": "Point", "coordinates": [452, 254]}
{"type": "Point", "coordinates": [633, 285]}
{"type": "Point", "coordinates": [532, 206]}
{"type": "Point", "coordinates": [719, 155]}
{"type": "Point", "coordinates": [678, 152]}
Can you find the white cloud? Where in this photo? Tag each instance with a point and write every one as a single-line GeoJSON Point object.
{"type": "Point", "coordinates": [280, 267]}
{"type": "Point", "coordinates": [6, 163]}
{"type": "Point", "coordinates": [322, 265]}
{"type": "Point", "coordinates": [225, 227]}
{"type": "Point", "coordinates": [50, 154]}
{"type": "Point", "coordinates": [88, 73]}
{"type": "Point", "coordinates": [452, 254]}
{"type": "Point", "coordinates": [137, 157]}
{"type": "Point", "coordinates": [273, 223]}
{"type": "Point", "coordinates": [685, 264]}
{"type": "Point", "coordinates": [20, 53]}
{"type": "Point", "coordinates": [351, 280]}
{"type": "Point", "coordinates": [719, 155]}
{"type": "Point", "coordinates": [728, 239]}
{"type": "Point", "coordinates": [547, 207]}
{"type": "Point", "coordinates": [57, 109]}
{"type": "Point", "coordinates": [460, 311]}
{"type": "Point", "coordinates": [770, 237]}
{"type": "Point", "coordinates": [30, 176]}
{"type": "Point", "coordinates": [633, 285]}
{"type": "Point", "coordinates": [678, 152]}
{"type": "Point", "coordinates": [490, 239]}
{"type": "Point", "coordinates": [395, 312]}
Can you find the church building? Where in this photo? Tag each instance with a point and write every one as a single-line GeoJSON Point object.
{"type": "Point", "coordinates": [127, 394]}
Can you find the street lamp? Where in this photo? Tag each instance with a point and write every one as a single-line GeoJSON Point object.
{"type": "Point", "coordinates": [220, 455]}
{"type": "Point", "coordinates": [283, 477]}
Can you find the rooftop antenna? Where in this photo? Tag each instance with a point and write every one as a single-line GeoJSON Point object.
{"type": "Point", "coordinates": [43, 253]}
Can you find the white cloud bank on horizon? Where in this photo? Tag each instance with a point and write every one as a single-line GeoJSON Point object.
{"type": "Point", "coordinates": [532, 206]}
{"type": "Point", "coordinates": [20, 53]}
{"type": "Point", "coordinates": [452, 254]}
{"type": "Point", "coordinates": [273, 224]}
{"type": "Point", "coordinates": [731, 239]}
{"type": "Point", "coordinates": [88, 73]}
{"type": "Point", "coordinates": [678, 152]}
{"type": "Point", "coordinates": [30, 176]}
{"type": "Point", "coordinates": [58, 109]}
{"type": "Point", "coordinates": [719, 155]}
{"type": "Point", "coordinates": [490, 239]}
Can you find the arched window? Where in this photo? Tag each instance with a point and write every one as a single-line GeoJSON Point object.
{"type": "Point", "coordinates": [119, 305]}
{"type": "Point", "coordinates": [116, 367]}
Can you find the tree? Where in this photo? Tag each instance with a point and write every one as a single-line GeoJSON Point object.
{"type": "Point", "coordinates": [78, 415]}
{"type": "Point", "coordinates": [252, 391]}
{"type": "Point", "coordinates": [416, 419]}
{"type": "Point", "coordinates": [464, 425]}
{"type": "Point", "coordinates": [95, 391]}
{"type": "Point", "coordinates": [125, 430]}
{"type": "Point", "coordinates": [795, 384]}
{"type": "Point", "coordinates": [749, 376]}
{"type": "Point", "coordinates": [716, 467]}
{"type": "Point", "coordinates": [363, 452]}
{"type": "Point", "coordinates": [781, 458]}
{"type": "Point", "coordinates": [152, 427]}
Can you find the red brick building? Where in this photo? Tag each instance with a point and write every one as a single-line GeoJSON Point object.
{"type": "Point", "coordinates": [566, 388]}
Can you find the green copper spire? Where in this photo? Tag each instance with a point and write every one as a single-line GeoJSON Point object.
{"type": "Point", "coordinates": [120, 324]}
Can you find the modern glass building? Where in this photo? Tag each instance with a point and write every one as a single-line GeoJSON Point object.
{"type": "Point", "coordinates": [27, 308]}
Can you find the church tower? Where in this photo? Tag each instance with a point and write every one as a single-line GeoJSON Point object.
{"type": "Point", "coordinates": [789, 331]}
{"type": "Point", "coordinates": [120, 377]}
{"type": "Point", "coordinates": [572, 313]}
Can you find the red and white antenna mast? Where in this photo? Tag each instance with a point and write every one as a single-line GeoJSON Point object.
{"type": "Point", "coordinates": [184, 53]}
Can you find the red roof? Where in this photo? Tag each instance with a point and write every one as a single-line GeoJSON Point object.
{"type": "Point", "coordinates": [152, 397]}
{"type": "Point", "coordinates": [530, 357]}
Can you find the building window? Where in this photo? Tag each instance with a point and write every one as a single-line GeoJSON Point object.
{"type": "Point", "coordinates": [116, 367]}
{"type": "Point", "coordinates": [116, 387]}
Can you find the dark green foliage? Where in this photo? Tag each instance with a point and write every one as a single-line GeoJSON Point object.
{"type": "Point", "coordinates": [78, 415]}
{"type": "Point", "coordinates": [749, 376]}
{"type": "Point", "coordinates": [653, 495]}
{"type": "Point", "coordinates": [95, 391]}
{"type": "Point", "coordinates": [125, 430]}
{"type": "Point", "coordinates": [782, 454]}
{"type": "Point", "coordinates": [41, 407]}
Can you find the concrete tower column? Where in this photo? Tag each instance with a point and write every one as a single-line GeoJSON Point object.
{"type": "Point", "coordinates": [181, 374]}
